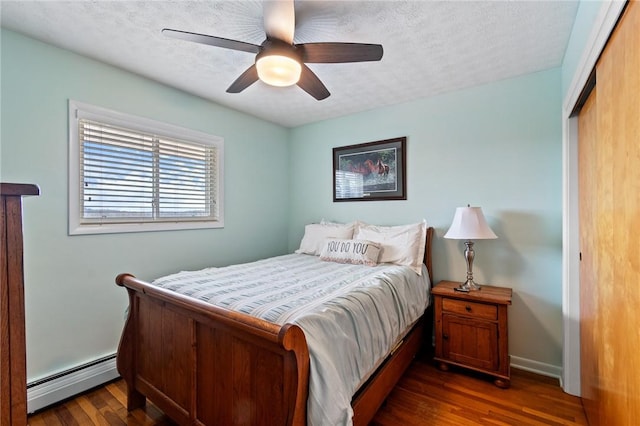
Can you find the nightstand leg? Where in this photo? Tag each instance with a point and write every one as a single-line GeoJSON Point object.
{"type": "Point", "coordinates": [502, 383]}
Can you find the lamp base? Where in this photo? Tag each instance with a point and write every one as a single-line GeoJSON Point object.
{"type": "Point", "coordinates": [469, 254]}
{"type": "Point", "coordinates": [468, 286]}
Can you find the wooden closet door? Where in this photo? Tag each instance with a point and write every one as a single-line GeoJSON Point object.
{"type": "Point", "coordinates": [609, 168]}
{"type": "Point", "coordinates": [588, 199]}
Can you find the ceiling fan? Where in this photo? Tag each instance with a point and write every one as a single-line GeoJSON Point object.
{"type": "Point", "coordinates": [281, 62]}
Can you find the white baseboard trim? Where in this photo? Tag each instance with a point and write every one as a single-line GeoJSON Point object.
{"type": "Point", "coordinates": [58, 387]}
{"type": "Point", "coordinates": [536, 367]}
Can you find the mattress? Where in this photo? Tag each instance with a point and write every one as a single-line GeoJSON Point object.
{"type": "Point", "coordinates": [351, 315]}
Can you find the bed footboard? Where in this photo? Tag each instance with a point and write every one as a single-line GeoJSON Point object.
{"type": "Point", "coordinates": [201, 364]}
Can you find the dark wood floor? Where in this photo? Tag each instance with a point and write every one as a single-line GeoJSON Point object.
{"type": "Point", "coordinates": [424, 396]}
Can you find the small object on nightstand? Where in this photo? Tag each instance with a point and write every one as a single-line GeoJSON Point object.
{"type": "Point", "coordinates": [471, 329]}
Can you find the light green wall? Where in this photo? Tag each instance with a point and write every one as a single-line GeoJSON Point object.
{"type": "Point", "coordinates": [75, 311]}
{"type": "Point", "coordinates": [497, 146]}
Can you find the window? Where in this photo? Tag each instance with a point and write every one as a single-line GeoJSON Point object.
{"type": "Point", "coordinates": [131, 174]}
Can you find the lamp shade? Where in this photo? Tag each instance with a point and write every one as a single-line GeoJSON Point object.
{"type": "Point", "coordinates": [469, 224]}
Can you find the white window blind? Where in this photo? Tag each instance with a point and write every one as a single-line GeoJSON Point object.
{"type": "Point", "coordinates": [129, 175]}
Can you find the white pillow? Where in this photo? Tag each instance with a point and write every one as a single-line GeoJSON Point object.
{"type": "Point", "coordinates": [356, 252]}
{"type": "Point", "coordinates": [401, 245]}
{"type": "Point", "coordinates": [315, 235]}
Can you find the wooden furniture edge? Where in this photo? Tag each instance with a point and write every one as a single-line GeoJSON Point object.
{"type": "Point", "coordinates": [288, 339]}
{"type": "Point", "coordinates": [428, 258]}
{"type": "Point", "coordinates": [13, 375]}
{"type": "Point", "coordinates": [492, 294]}
{"type": "Point", "coordinates": [18, 189]}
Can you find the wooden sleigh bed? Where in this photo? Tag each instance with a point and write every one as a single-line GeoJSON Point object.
{"type": "Point", "coordinates": [205, 365]}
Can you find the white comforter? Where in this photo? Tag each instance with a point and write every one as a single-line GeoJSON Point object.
{"type": "Point", "coordinates": [351, 315]}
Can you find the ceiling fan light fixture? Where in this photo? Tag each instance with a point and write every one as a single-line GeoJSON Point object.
{"type": "Point", "coordinates": [281, 62]}
{"type": "Point", "coordinates": [278, 70]}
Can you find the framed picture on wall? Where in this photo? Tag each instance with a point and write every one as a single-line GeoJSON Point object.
{"type": "Point", "coordinates": [370, 171]}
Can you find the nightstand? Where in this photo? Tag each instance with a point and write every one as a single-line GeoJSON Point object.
{"type": "Point", "coordinates": [471, 329]}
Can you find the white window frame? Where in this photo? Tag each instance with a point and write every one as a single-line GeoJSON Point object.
{"type": "Point", "coordinates": [79, 110]}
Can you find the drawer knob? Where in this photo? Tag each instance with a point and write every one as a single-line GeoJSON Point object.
{"type": "Point", "coordinates": [468, 308]}
{"type": "Point", "coordinates": [445, 336]}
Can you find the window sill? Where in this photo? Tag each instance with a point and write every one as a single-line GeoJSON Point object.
{"type": "Point", "coordinates": [119, 228]}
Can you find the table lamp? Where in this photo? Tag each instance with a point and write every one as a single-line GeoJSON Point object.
{"type": "Point", "coordinates": [469, 224]}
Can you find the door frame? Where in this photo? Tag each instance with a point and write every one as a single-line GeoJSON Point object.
{"type": "Point", "coordinates": [603, 26]}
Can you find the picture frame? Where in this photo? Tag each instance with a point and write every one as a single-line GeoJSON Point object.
{"type": "Point", "coordinates": [372, 171]}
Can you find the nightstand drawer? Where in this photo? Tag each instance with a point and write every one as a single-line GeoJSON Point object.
{"type": "Point", "coordinates": [477, 310]}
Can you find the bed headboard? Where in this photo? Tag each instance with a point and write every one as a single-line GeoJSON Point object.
{"type": "Point", "coordinates": [427, 253]}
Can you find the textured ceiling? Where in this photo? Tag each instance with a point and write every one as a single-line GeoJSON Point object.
{"type": "Point", "coordinates": [430, 47]}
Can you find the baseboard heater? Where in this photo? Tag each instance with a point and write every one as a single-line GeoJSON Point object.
{"type": "Point", "coordinates": [60, 386]}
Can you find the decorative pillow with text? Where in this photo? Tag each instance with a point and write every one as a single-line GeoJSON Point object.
{"type": "Point", "coordinates": [356, 252]}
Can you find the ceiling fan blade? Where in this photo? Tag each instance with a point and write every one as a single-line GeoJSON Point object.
{"type": "Point", "coordinates": [279, 19]}
{"type": "Point", "coordinates": [310, 83]}
{"type": "Point", "coordinates": [212, 40]}
{"type": "Point", "coordinates": [245, 80]}
{"type": "Point", "coordinates": [333, 53]}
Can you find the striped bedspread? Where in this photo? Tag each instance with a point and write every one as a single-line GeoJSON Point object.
{"type": "Point", "coordinates": [352, 315]}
